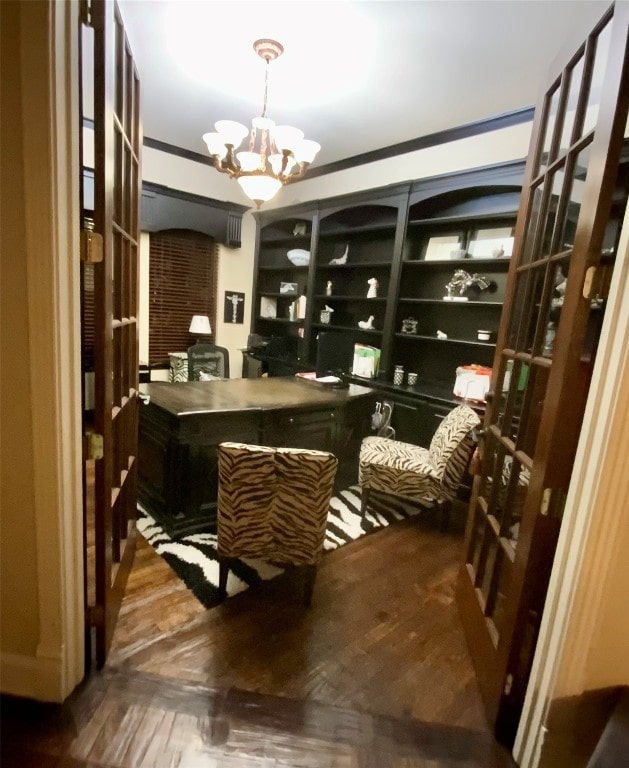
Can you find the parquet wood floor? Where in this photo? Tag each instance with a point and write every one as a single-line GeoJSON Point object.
{"type": "Point", "coordinates": [375, 674]}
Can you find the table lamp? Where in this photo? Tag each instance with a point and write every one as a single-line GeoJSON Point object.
{"type": "Point", "coordinates": [200, 325]}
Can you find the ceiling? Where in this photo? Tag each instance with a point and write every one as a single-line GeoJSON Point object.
{"type": "Point", "coordinates": [355, 76]}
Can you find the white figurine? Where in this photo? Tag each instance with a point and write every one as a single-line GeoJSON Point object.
{"type": "Point", "coordinates": [372, 293]}
{"type": "Point", "coordinates": [341, 259]}
{"type": "Point", "coordinates": [366, 325]}
{"type": "Point", "coordinates": [441, 335]}
{"type": "Point", "coordinates": [328, 288]}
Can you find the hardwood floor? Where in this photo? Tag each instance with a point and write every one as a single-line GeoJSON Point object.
{"type": "Point", "coordinates": [375, 673]}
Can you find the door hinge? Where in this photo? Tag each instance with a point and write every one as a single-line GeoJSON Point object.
{"type": "Point", "coordinates": [93, 446]}
{"type": "Point", "coordinates": [545, 501]}
{"type": "Point", "coordinates": [508, 685]}
{"type": "Point", "coordinates": [91, 246]}
{"type": "Point", "coordinates": [85, 13]}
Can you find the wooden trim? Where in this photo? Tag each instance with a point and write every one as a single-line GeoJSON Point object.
{"type": "Point", "coordinates": [50, 120]}
{"type": "Point", "coordinates": [191, 197]}
{"type": "Point", "coordinates": [465, 131]}
{"type": "Point", "coordinates": [173, 149]}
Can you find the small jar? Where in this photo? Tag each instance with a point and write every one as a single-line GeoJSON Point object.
{"type": "Point", "coordinates": [398, 375]}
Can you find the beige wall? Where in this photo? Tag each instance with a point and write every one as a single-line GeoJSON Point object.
{"type": "Point", "coordinates": [19, 627]}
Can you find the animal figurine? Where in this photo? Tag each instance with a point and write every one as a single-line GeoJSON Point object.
{"type": "Point", "coordinates": [366, 325]}
{"type": "Point", "coordinates": [462, 280]}
{"type": "Point", "coordinates": [341, 259]}
{"type": "Point", "coordinates": [372, 293]}
{"type": "Point", "coordinates": [441, 335]}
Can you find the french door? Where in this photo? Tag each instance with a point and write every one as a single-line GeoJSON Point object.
{"type": "Point", "coordinates": [113, 270]}
{"type": "Point", "coordinates": [564, 252]}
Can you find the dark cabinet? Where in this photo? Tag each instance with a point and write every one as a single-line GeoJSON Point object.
{"type": "Point", "coordinates": [352, 287]}
{"type": "Point", "coordinates": [418, 270]}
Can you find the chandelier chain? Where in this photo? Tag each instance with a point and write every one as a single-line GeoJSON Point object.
{"type": "Point", "coordinates": [266, 86]}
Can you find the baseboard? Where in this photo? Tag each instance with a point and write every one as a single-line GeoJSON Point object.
{"type": "Point", "coordinates": [31, 678]}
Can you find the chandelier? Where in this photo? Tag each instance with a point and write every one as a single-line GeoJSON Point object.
{"type": "Point", "coordinates": [276, 155]}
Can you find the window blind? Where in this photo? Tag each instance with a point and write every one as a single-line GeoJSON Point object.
{"type": "Point", "coordinates": [183, 271]}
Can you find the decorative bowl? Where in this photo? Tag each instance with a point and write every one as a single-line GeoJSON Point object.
{"type": "Point", "coordinates": [299, 257]}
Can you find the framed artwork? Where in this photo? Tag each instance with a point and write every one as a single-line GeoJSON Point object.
{"type": "Point", "coordinates": [289, 287]}
{"type": "Point", "coordinates": [444, 247]}
{"type": "Point", "coordinates": [234, 307]}
{"type": "Point", "coordinates": [492, 243]}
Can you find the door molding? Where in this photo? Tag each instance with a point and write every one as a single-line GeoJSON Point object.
{"type": "Point", "coordinates": [588, 544]}
{"type": "Point", "coordinates": [49, 116]}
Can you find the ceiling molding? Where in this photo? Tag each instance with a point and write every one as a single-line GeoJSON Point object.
{"type": "Point", "coordinates": [476, 128]}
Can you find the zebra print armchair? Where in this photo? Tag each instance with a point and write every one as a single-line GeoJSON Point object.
{"type": "Point", "coordinates": [425, 475]}
{"type": "Point", "coordinates": [273, 505]}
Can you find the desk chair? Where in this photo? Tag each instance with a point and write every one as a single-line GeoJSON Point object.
{"type": "Point", "coordinates": [273, 505]}
{"type": "Point", "coordinates": [207, 360]}
{"type": "Point", "coordinates": [429, 476]}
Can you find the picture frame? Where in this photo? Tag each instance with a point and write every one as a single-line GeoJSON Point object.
{"type": "Point", "coordinates": [492, 243]}
{"type": "Point", "coordinates": [442, 247]}
{"type": "Point", "coordinates": [234, 307]}
{"type": "Point", "coordinates": [289, 288]}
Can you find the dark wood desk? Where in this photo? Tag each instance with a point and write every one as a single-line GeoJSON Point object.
{"type": "Point", "coordinates": [182, 425]}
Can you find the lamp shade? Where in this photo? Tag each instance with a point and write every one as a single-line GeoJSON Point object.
{"type": "Point", "coordinates": [259, 188]}
{"type": "Point", "coordinates": [286, 137]}
{"type": "Point", "coordinates": [200, 324]}
{"type": "Point", "coordinates": [306, 150]}
{"type": "Point", "coordinates": [231, 132]}
{"type": "Point", "coordinates": [215, 144]}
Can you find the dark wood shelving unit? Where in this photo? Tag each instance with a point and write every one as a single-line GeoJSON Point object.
{"type": "Point", "coordinates": [386, 234]}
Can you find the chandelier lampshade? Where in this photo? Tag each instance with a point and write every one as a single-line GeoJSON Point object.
{"type": "Point", "coordinates": [275, 154]}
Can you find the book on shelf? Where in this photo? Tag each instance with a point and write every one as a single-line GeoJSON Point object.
{"type": "Point", "coordinates": [366, 361]}
{"type": "Point", "coordinates": [268, 307]}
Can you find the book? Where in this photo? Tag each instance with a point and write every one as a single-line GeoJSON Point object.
{"type": "Point", "coordinates": [366, 361]}
{"type": "Point", "coordinates": [268, 307]}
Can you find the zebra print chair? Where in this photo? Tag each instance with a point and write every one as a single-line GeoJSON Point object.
{"type": "Point", "coordinates": [273, 505]}
{"type": "Point", "coordinates": [429, 476]}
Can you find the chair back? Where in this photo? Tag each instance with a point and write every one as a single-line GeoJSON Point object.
{"type": "Point", "coordinates": [451, 446]}
{"type": "Point", "coordinates": [273, 503]}
{"type": "Point", "coordinates": [209, 360]}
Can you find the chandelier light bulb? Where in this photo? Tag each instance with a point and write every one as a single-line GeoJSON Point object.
{"type": "Point", "coordinates": [275, 154]}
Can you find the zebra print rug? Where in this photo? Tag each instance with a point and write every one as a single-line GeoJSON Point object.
{"type": "Point", "coordinates": [194, 558]}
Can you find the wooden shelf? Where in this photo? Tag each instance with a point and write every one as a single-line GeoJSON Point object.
{"type": "Point", "coordinates": [451, 303]}
{"type": "Point", "coordinates": [385, 233]}
{"type": "Point", "coordinates": [456, 263]}
{"type": "Point", "coordinates": [353, 328]}
{"type": "Point", "coordinates": [335, 297]}
{"type": "Point", "coordinates": [467, 342]}
{"type": "Point", "coordinates": [280, 320]}
{"type": "Point", "coordinates": [463, 219]}
{"type": "Point", "coordinates": [364, 229]}
{"type": "Point", "coordinates": [298, 240]}
{"type": "Point", "coordinates": [271, 294]}
{"type": "Point", "coordinates": [282, 268]}
{"type": "Point", "coordinates": [357, 265]}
